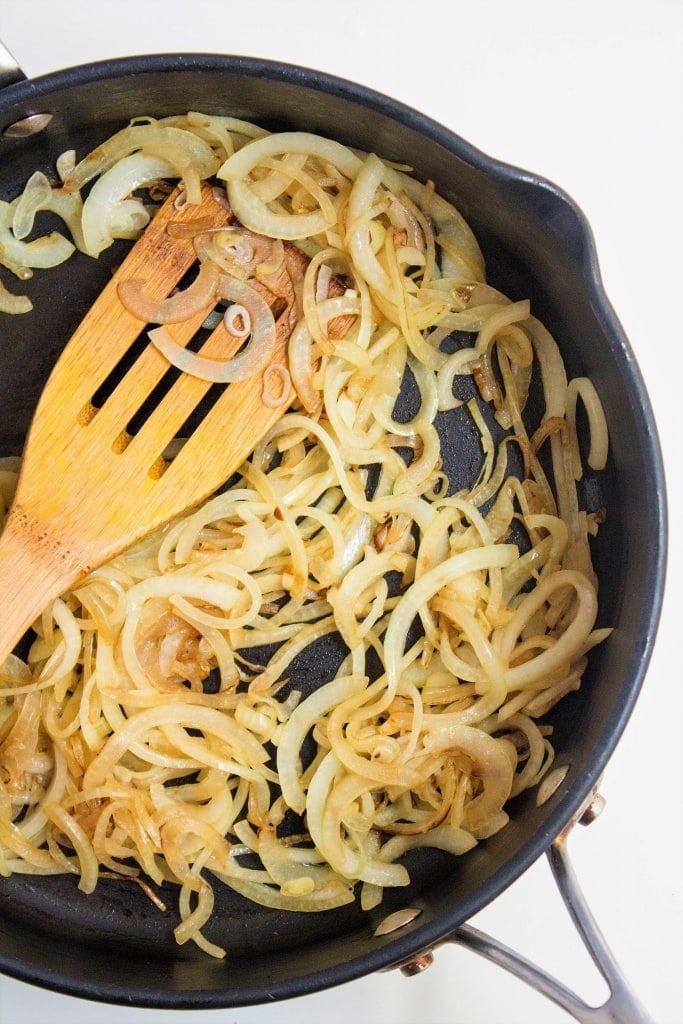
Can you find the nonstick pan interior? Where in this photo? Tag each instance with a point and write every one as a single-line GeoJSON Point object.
{"type": "Point", "coordinates": [115, 945]}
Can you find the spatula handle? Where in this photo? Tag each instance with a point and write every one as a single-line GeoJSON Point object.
{"type": "Point", "coordinates": [29, 581]}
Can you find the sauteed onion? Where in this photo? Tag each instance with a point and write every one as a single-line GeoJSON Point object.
{"type": "Point", "coordinates": [160, 726]}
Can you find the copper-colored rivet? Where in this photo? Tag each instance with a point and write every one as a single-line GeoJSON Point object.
{"type": "Point", "coordinates": [594, 810]}
{"type": "Point", "coordinates": [417, 965]}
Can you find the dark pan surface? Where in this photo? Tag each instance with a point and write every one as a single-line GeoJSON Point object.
{"type": "Point", "coordinates": [115, 946]}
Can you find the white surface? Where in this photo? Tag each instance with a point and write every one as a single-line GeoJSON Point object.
{"type": "Point", "coordinates": [589, 95]}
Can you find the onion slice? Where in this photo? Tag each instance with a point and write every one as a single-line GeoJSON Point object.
{"type": "Point", "coordinates": [277, 386]}
{"type": "Point", "coordinates": [176, 308]}
{"type": "Point", "coordinates": [242, 366]}
{"type": "Point", "coordinates": [19, 256]}
{"type": "Point", "coordinates": [111, 190]}
{"type": "Point", "coordinates": [253, 212]}
{"type": "Point", "coordinates": [190, 157]}
{"type": "Point", "coordinates": [12, 303]}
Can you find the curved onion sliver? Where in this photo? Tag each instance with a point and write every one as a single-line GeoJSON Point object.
{"type": "Point", "coordinates": [12, 303]}
{"type": "Point", "coordinates": [176, 308]}
{"type": "Point", "coordinates": [18, 256]}
{"type": "Point", "coordinates": [113, 188]}
{"type": "Point", "coordinates": [253, 211]}
{"type": "Point", "coordinates": [188, 155]}
{"type": "Point", "coordinates": [301, 367]}
{"type": "Point", "coordinates": [224, 371]}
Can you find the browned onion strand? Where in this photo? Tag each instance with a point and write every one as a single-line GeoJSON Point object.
{"type": "Point", "coordinates": [135, 741]}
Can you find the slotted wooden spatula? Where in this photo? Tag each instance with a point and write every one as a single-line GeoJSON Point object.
{"type": "Point", "coordinates": [87, 488]}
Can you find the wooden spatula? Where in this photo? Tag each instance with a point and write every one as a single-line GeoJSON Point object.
{"type": "Point", "coordinates": [87, 488]}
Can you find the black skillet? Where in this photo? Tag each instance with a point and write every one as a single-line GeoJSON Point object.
{"type": "Point", "coordinates": [115, 946]}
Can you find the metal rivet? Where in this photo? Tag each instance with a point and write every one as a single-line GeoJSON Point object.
{"type": "Point", "coordinates": [399, 919]}
{"type": "Point", "coordinates": [594, 810]}
{"type": "Point", "coordinates": [417, 965]}
{"type": "Point", "coordinates": [30, 125]}
{"type": "Point", "coordinates": [551, 784]}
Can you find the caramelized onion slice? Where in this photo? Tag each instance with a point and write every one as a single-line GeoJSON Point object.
{"type": "Point", "coordinates": [240, 367]}
{"type": "Point", "coordinates": [176, 308]}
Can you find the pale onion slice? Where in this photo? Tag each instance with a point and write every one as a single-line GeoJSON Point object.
{"type": "Point", "coordinates": [243, 162]}
{"type": "Point", "coordinates": [461, 256]}
{"type": "Point", "coordinates": [128, 219]}
{"type": "Point", "coordinates": [36, 196]}
{"type": "Point", "coordinates": [253, 212]}
{"type": "Point", "coordinates": [112, 189]}
{"type": "Point", "coordinates": [302, 357]}
{"type": "Point", "coordinates": [39, 195]}
{"type": "Point", "coordinates": [65, 163]}
{"type": "Point", "coordinates": [491, 766]}
{"type": "Point", "coordinates": [360, 218]}
{"type": "Point", "coordinates": [583, 387]}
{"type": "Point", "coordinates": [41, 253]}
{"type": "Point", "coordinates": [190, 157]}
{"type": "Point", "coordinates": [240, 367]}
{"type": "Point", "coordinates": [11, 303]}
{"type": "Point", "coordinates": [176, 308]}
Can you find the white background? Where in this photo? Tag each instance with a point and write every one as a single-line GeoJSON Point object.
{"type": "Point", "coordinates": [588, 94]}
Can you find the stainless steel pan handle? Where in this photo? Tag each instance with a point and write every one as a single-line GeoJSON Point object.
{"type": "Point", "coordinates": [10, 72]}
{"type": "Point", "coordinates": [622, 1006]}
